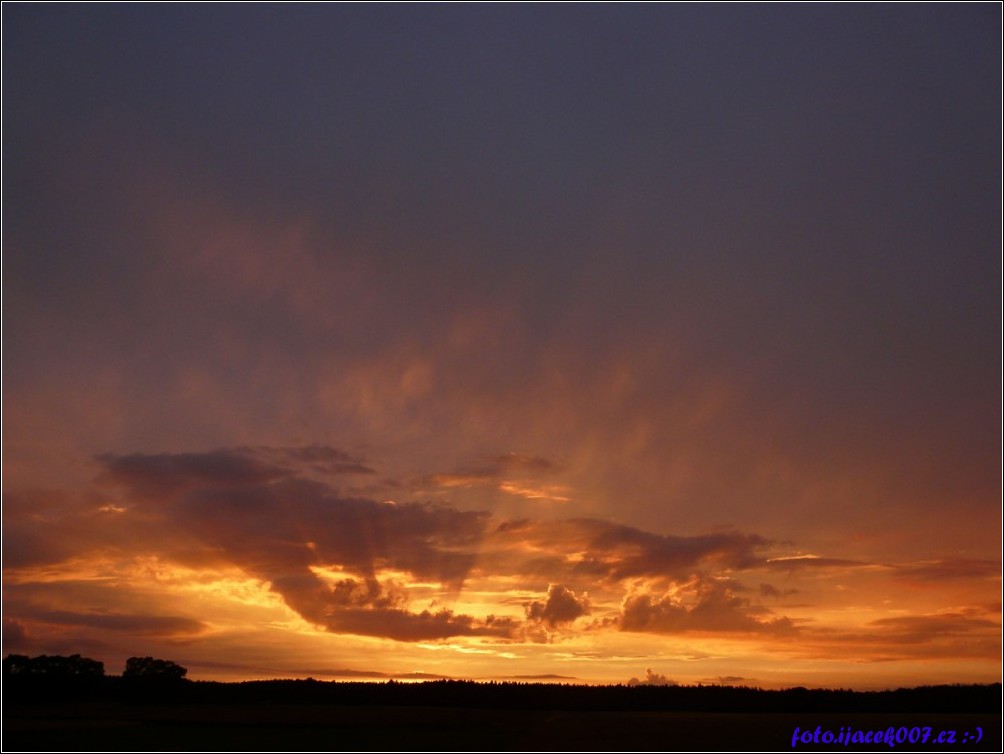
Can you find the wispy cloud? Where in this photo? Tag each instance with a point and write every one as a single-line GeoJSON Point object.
{"type": "Point", "coordinates": [510, 473]}
{"type": "Point", "coordinates": [168, 625]}
{"type": "Point", "coordinates": [949, 569]}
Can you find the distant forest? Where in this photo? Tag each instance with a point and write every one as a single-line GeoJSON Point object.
{"type": "Point", "coordinates": [47, 679]}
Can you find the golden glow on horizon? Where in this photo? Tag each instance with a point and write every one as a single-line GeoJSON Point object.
{"type": "Point", "coordinates": [528, 596]}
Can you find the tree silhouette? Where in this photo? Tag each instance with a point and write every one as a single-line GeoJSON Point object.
{"type": "Point", "coordinates": [154, 669]}
{"type": "Point", "coordinates": [53, 666]}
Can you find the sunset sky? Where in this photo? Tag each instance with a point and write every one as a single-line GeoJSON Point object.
{"type": "Point", "coordinates": [505, 341]}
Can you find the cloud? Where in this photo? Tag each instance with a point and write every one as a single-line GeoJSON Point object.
{"type": "Point", "coordinates": [596, 549]}
{"type": "Point", "coordinates": [354, 565]}
{"type": "Point", "coordinates": [919, 629]}
{"type": "Point", "coordinates": [268, 519]}
{"type": "Point", "coordinates": [42, 527]}
{"type": "Point", "coordinates": [18, 639]}
{"type": "Point", "coordinates": [555, 493]}
{"type": "Point", "coordinates": [949, 569]}
{"type": "Point", "coordinates": [772, 592]}
{"type": "Point", "coordinates": [368, 593]}
{"type": "Point", "coordinates": [165, 625]}
{"type": "Point", "coordinates": [490, 468]}
{"type": "Point", "coordinates": [511, 473]}
{"type": "Point", "coordinates": [402, 625]}
{"type": "Point", "coordinates": [259, 509]}
{"type": "Point", "coordinates": [320, 458]}
{"type": "Point", "coordinates": [468, 479]}
{"type": "Point", "coordinates": [169, 474]}
{"type": "Point", "coordinates": [966, 633]}
{"type": "Point", "coordinates": [561, 606]}
{"type": "Point", "coordinates": [710, 607]}
{"type": "Point", "coordinates": [797, 562]}
{"type": "Point", "coordinates": [371, 609]}
{"type": "Point", "coordinates": [652, 679]}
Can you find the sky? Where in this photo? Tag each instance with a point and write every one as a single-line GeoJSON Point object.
{"type": "Point", "coordinates": [571, 342]}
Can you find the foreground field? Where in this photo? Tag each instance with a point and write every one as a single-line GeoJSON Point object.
{"type": "Point", "coordinates": [315, 727]}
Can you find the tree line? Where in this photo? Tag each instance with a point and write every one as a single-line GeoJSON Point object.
{"type": "Point", "coordinates": [75, 666]}
{"type": "Point", "coordinates": [151, 680]}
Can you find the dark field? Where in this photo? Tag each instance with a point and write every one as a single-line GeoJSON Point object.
{"type": "Point", "coordinates": [276, 726]}
{"type": "Point", "coordinates": [43, 713]}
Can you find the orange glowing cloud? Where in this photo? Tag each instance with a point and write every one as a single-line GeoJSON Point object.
{"type": "Point", "coordinates": [261, 536]}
